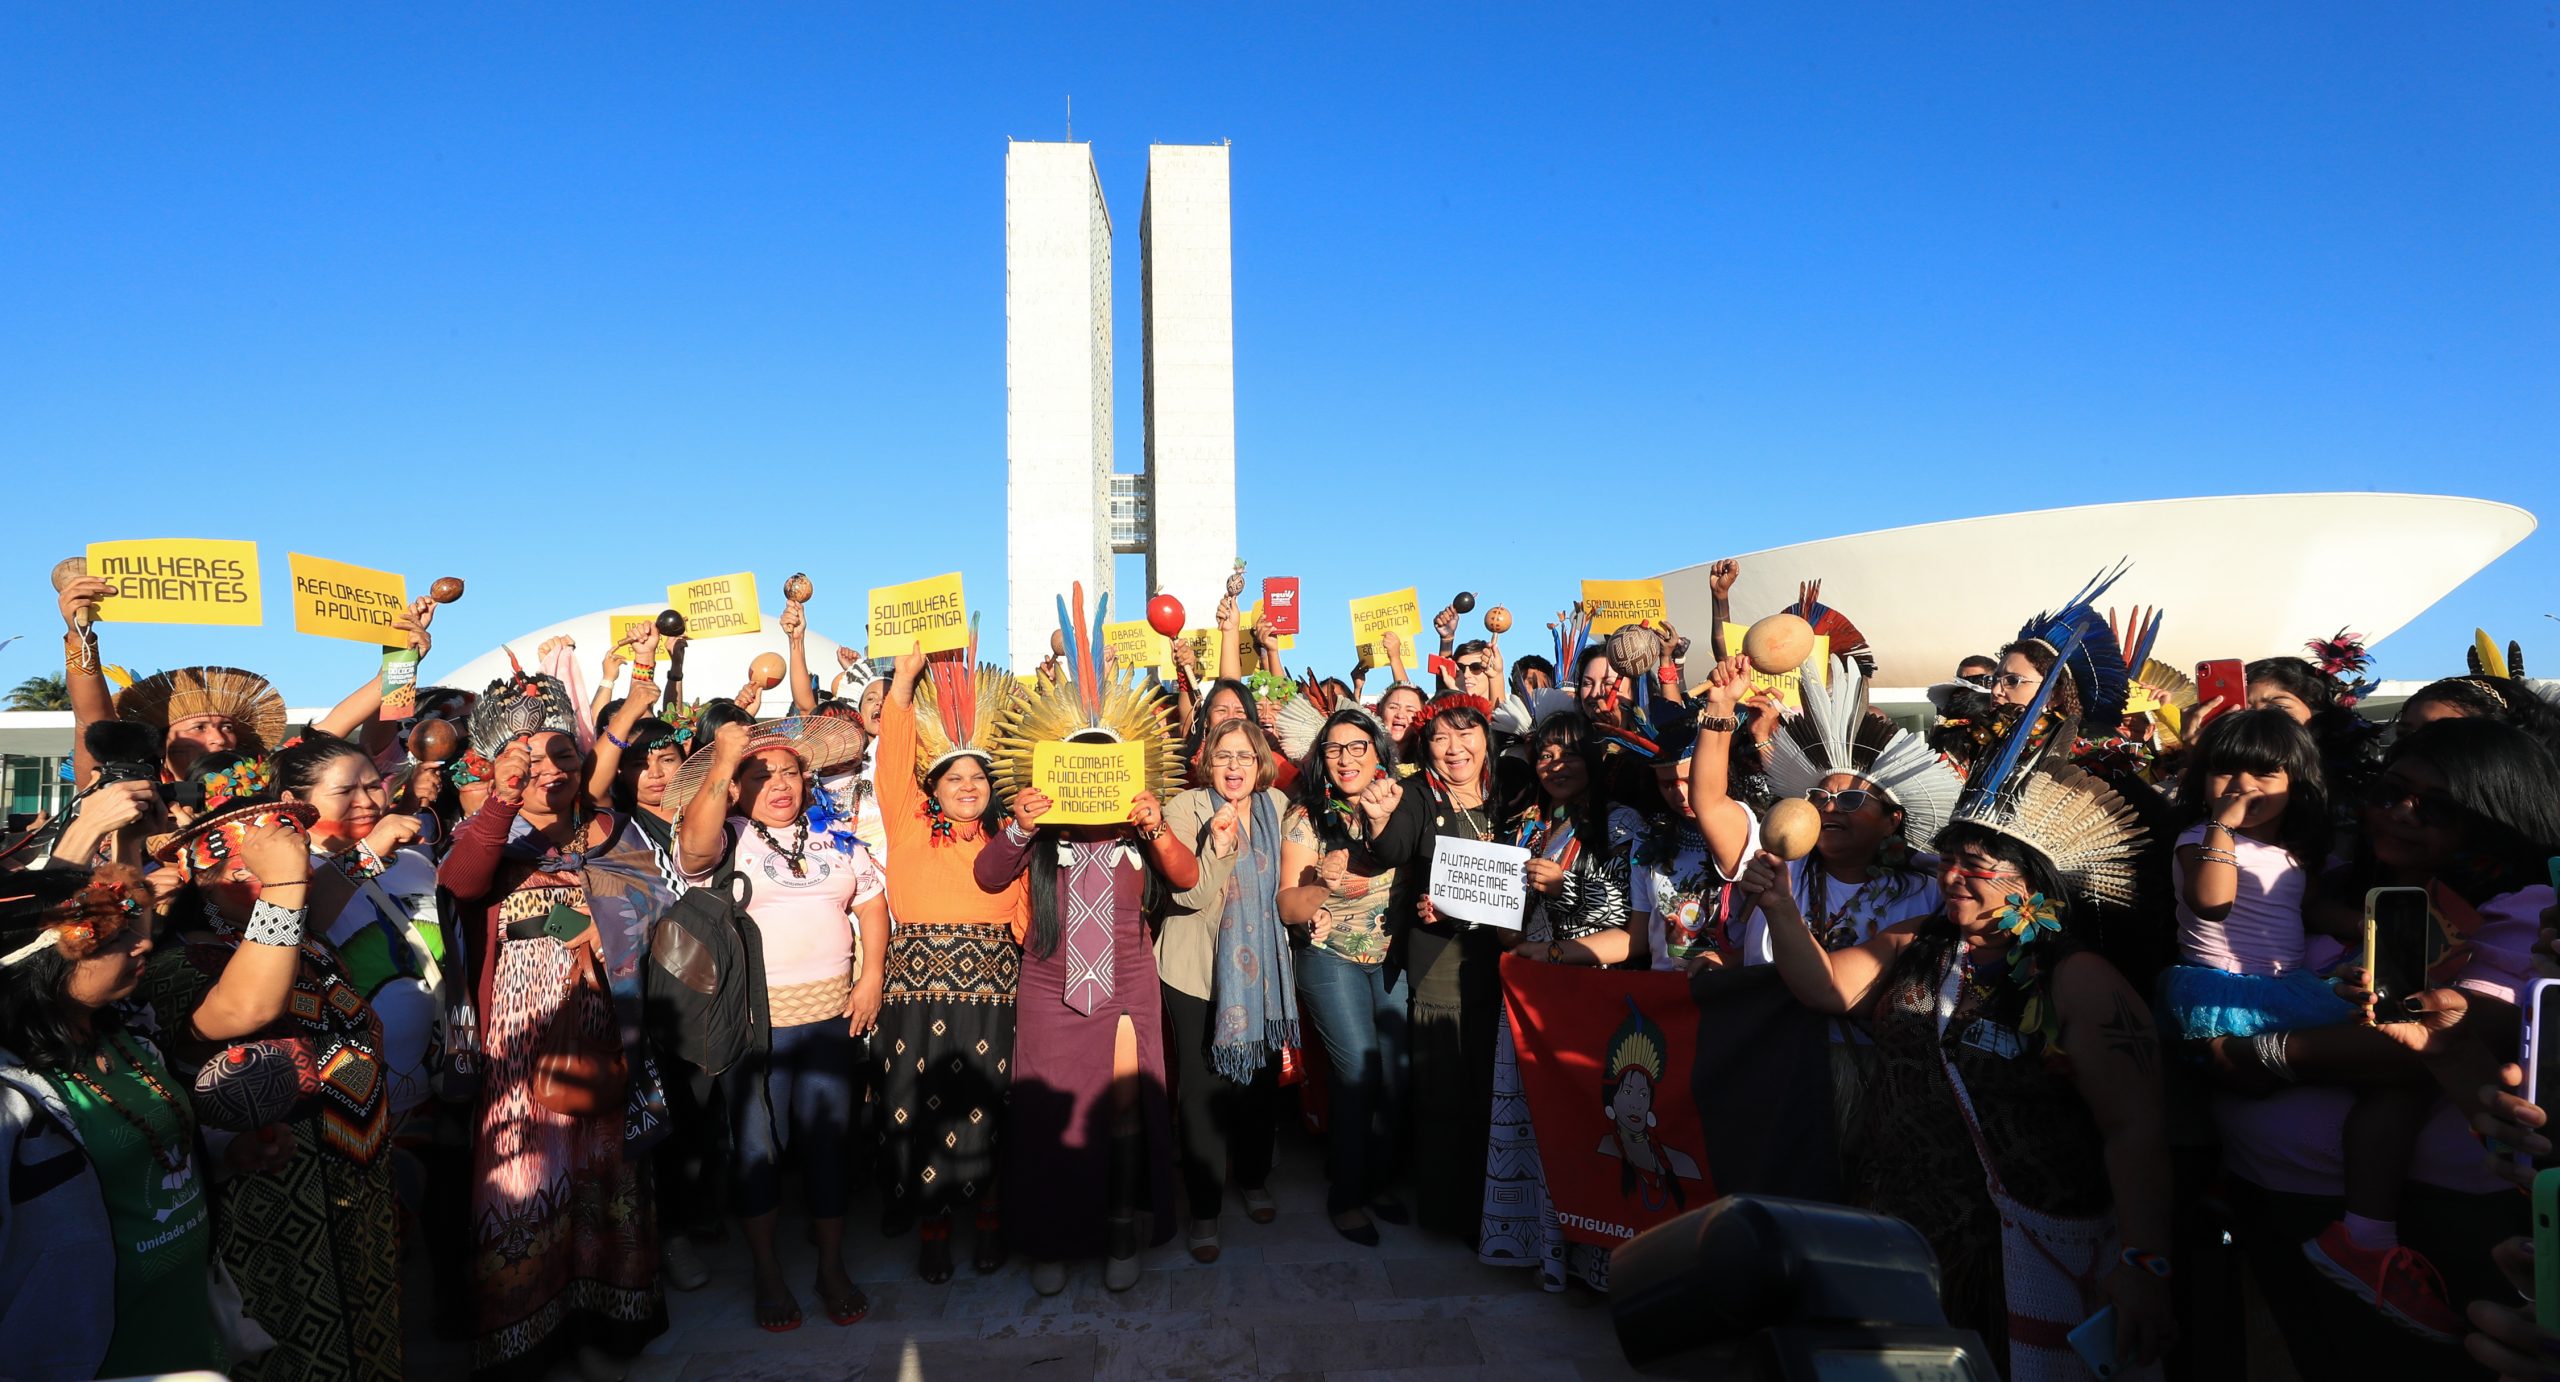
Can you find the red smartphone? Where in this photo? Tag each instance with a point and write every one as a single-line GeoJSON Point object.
{"type": "Point", "coordinates": [2224, 678]}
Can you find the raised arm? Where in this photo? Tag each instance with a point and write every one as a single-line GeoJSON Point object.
{"type": "Point", "coordinates": [258, 978]}
{"type": "Point", "coordinates": [1230, 655]}
{"type": "Point", "coordinates": [1725, 822]}
{"type": "Point", "coordinates": [703, 836]}
{"type": "Point", "coordinates": [1720, 578]}
{"type": "Point", "coordinates": [795, 637]}
{"type": "Point", "coordinates": [616, 737]}
{"type": "Point", "coordinates": [364, 704]}
{"type": "Point", "coordinates": [471, 866]}
{"type": "Point", "coordinates": [82, 676]}
{"type": "Point", "coordinates": [675, 673]}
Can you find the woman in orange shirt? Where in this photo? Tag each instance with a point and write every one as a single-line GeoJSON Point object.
{"type": "Point", "coordinates": [954, 956]}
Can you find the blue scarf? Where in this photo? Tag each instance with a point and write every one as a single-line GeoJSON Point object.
{"type": "Point", "coordinates": [1252, 999]}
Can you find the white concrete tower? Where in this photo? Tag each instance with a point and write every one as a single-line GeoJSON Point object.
{"type": "Point", "coordinates": [1057, 375]}
{"type": "Point", "coordinates": [1186, 273]}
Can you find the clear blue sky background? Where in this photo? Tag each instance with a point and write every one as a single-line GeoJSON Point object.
{"type": "Point", "coordinates": [575, 301]}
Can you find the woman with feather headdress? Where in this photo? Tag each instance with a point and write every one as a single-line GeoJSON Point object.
{"type": "Point", "coordinates": [2016, 1117]}
{"type": "Point", "coordinates": [945, 1041]}
{"type": "Point", "coordinates": [1089, 1153]}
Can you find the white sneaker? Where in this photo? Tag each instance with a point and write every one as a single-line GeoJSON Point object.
{"type": "Point", "coordinates": [1204, 1240]}
{"type": "Point", "coordinates": [1048, 1278]}
{"type": "Point", "coordinates": [684, 1266]}
{"type": "Point", "coordinates": [1119, 1273]}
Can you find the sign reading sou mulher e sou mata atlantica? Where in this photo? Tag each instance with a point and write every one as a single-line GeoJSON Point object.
{"type": "Point", "coordinates": [1612, 605]}
{"type": "Point", "coordinates": [332, 599]}
{"type": "Point", "coordinates": [1088, 784]}
{"type": "Point", "coordinates": [717, 606]}
{"type": "Point", "coordinates": [930, 615]}
{"type": "Point", "coordinates": [178, 580]}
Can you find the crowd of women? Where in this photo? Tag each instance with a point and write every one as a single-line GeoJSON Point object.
{"type": "Point", "coordinates": [282, 1005]}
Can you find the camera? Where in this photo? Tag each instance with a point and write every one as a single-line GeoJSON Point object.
{"type": "Point", "coordinates": [189, 794]}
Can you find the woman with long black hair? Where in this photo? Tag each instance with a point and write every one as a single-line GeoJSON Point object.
{"type": "Point", "coordinates": [1341, 846]}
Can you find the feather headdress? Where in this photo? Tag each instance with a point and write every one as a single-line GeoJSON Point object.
{"type": "Point", "coordinates": [182, 693]}
{"type": "Point", "coordinates": [1846, 640]}
{"type": "Point", "coordinates": [1094, 698]}
{"type": "Point", "coordinates": [1301, 717]}
{"type": "Point", "coordinates": [2027, 791]}
{"type": "Point", "coordinates": [1837, 733]}
{"type": "Point", "coordinates": [1517, 715]}
{"type": "Point", "coordinates": [2096, 663]}
{"type": "Point", "coordinates": [1573, 634]}
{"type": "Point", "coordinates": [521, 704]}
{"type": "Point", "coordinates": [956, 707]}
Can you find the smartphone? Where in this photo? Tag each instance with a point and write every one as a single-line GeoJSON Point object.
{"type": "Point", "coordinates": [2223, 678]}
{"type": "Point", "coordinates": [2095, 1337]}
{"type": "Point", "coordinates": [2401, 940]}
{"type": "Point", "coordinates": [2541, 1057]}
{"type": "Point", "coordinates": [2546, 1250]}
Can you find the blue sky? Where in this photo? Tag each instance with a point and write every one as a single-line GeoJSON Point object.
{"type": "Point", "coordinates": [576, 301]}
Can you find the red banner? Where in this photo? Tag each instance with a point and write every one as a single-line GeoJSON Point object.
{"type": "Point", "coordinates": [1604, 1059]}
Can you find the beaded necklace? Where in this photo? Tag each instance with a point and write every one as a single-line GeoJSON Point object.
{"type": "Point", "coordinates": [171, 1155]}
{"type": "Point", "coordinates": [794, 856]}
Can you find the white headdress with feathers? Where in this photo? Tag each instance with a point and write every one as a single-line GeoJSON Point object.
{"type": "Point", "coordinates": [1838, 734]}
{"type": "Point", "coordinates": [2027, 791]}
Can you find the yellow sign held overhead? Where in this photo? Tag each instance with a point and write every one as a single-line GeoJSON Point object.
{"type": "Point", "coordinates": [1613, 605]}
{"type": "Point", "coordinates": [334, 600]}
{"type": "Point", "coordinates": [1786, 686]}
{"type": "Point", "coordinates": [931, 612]}
{"type": "Point", "coordinates": [178, 580]}
{"type": "Point", "coordinates": [1397, 611]}
{"type": "Point", "coordinates": [1134, 644]}
{"type": "Point", "coordinates": [1088, 784]}
{"type": "Point", "coordinates": [717, 606]}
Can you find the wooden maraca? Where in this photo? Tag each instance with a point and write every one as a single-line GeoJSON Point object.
{"type": "Point", "coordinates": [433, 740]}
{"type": "Point", "coordinates": [1791, 829]}
{"type": "Point", "coordinates": [1497, 620]}
{"type": "Point", "coordinates": [797, 589]}
{"type": "Point", "coordinates": [1464, 602]}
{"type": "Point", "coordinates": [670, 624]}
{"type": "Point", "coordinates": [66, 571]}
{"type": "Point", "coordinates": [767, 670]}
{"type": "Point", "coordinates": [446, 590]}
{"type": "Point", "coordinates": [1778, 644]}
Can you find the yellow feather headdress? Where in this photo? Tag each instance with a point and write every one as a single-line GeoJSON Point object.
{"type": "Point", "coordinates": [1094, 697]}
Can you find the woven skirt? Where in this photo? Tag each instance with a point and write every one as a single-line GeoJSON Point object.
{"type": "Point", "coordinates": [945, 1048]}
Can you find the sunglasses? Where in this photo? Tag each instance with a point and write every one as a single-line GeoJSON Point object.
{"type": "Point", "coordinates": [1474, 668]}
{"type": "Point", "coordinates": [2014, 681]}
{"type": "Point", "coordinates": [1849, 800]}
{"type": "Point", "coordinates": [2434, 810]}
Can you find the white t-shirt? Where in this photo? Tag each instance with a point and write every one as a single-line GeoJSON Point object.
{"type": "Point", "coordinates": [1686, 888]}
{"type": "Point", "coordinates": [1851, 914]}
{"type": "Point", "coordinates": [382, 964]}
{"type": "Point", "coordinates": [804, 918]}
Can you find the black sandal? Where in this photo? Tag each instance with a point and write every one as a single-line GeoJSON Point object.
{"type": "Point", "coordinates": [933, 1250]}
{"type": "Point", "coordinates": [991, 1251]}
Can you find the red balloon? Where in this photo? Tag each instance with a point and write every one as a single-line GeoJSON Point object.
{"type": "Point", "coordinates": [1164, 615]}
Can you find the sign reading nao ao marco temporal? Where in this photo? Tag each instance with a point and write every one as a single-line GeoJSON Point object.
{"type": "Point", "coordinates": [717, 606]}
{"type": "Point", "coordinates": [930, 614]}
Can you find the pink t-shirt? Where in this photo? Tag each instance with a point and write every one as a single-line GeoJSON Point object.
{"type": "Point", "coordinates": [2288, 1141]}
{"type": "Point", "coordinates": [2262, 934]}
{"type": "Point", "coordinates": [805, 920]}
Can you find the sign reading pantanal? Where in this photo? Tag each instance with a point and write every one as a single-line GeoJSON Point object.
{"type": "Point", "coordinates": [178, 580]}
{"type": "Point", "coordinates": [717, 606]}
{"type": "Point", "coordinates": [930, 614]}
{"type": "Point", "coordinates": [1090, 784]}
{"type": "Point", "coordinates": [334, 600]}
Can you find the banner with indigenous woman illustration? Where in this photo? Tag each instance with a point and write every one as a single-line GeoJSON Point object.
{"type": "Point", "coordinates": [1604, 1061]}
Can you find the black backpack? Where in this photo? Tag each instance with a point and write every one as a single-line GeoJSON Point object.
{"type": "Point", "coordinates": [704, 993]}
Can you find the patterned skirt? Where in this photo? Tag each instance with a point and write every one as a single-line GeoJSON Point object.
{"type": "Point", "coordinates": [565, 1244]}
{"type": "Point", "coordinates": [1520, 1228]}
{"type": "Point", "coordinates": [946, 1056]}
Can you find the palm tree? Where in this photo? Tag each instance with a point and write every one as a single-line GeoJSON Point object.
{"type": "Point", "coordinates": [40, 693]}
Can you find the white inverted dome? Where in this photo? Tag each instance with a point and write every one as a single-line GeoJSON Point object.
{"type": "Point", "coordinates": [712, 666]}
{"type": "Point", "coordinates": [2247, 576]}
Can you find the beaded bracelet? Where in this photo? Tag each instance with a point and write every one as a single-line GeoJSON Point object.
{"type": "Point", "coordinates": [615, 739]}
{"type": "Point", "coordinates": [270, 924]}
{"type": "Point", "coordinates": [2220, 856]}
{"type": "Point", "coordinates": [2155, 1263]}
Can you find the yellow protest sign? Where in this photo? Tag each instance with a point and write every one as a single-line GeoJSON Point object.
{"type": "Point", "coordinates": [1090, 784]}
{"type": "Point", "coordinates": [1613, 605]}
{"type": "Point", "coordinates": [1397, 611]}
{"type": "Point", "coordinates": [717, 606]}
{"type": "Point", "coordinates": [334, 600]}
{"type": "Point", "coordinates": [931, 613]}
{"type": "Point", "coordinates": [1786, 686]}
{"type": "Point", "coordinates": [178, 580]}
{"type": "Point", "coordinates": [1134, 644]}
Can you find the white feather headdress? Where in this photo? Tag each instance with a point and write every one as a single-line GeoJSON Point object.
{"type": "Point", "coordinates": [1837, 733]}
{"type": "Point", "coordinates": [2027, 791]}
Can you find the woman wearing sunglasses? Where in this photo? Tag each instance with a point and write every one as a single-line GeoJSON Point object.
{"type": "Point", "coordinates": [2468, 809]}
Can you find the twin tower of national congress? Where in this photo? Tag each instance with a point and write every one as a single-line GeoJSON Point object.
{"type": "Point", "coordinates": [1068, 512]}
